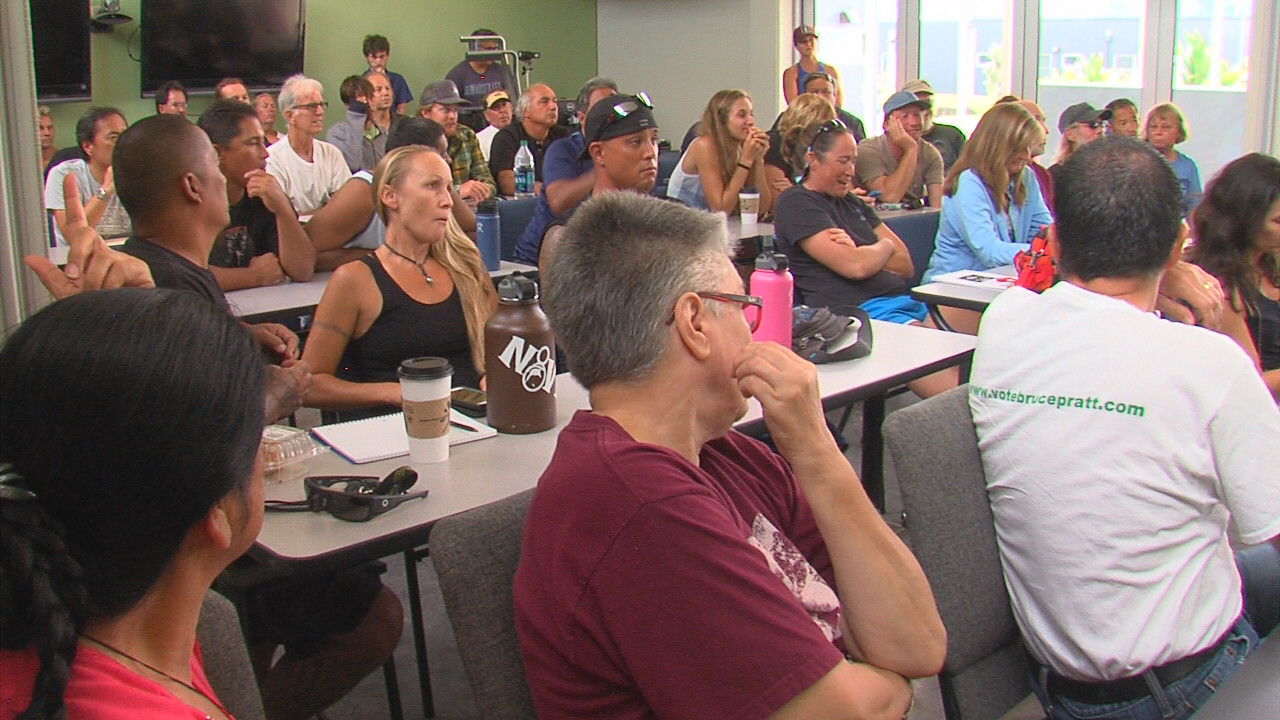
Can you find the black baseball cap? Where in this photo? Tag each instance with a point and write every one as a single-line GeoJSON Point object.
{"type": "Point", "coordinates": [617, 115]}
{"type": "Point", "coordinates": [1081, 113]}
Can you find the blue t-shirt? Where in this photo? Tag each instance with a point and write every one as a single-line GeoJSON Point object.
{"type": "Point", "coordinates": [560, 163]}
{"type": "Point", "coordinates": [1189, 178]}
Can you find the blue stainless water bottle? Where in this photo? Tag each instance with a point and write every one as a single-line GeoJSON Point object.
{"type": "Point", "coordinates": [489, 233]}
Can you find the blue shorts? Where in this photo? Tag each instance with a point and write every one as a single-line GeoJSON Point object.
{"type": "Point", "coordinates": [899, 309]}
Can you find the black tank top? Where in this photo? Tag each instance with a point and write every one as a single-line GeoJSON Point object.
{"type": "Point", "coordinates": [1265, 328]}
{"type": "Point", "coordinates": [407, 328]}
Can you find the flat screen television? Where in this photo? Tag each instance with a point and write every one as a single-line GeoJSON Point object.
{"type": "Point", "coordinates": [199, 42]}
{"type": "Point", "coordinates": [60, 39]}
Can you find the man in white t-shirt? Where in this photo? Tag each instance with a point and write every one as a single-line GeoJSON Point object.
{"type": "Point", "coordinates": [309, 170]}
{"type": "Point", "coordinates": [1125, 456]}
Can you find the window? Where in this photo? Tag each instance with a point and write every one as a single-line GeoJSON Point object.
{"type": "Point", "coordinates": [964, 55]}
{"type": "Point", "coordinates": [1211, 77]}
{"type": "Point", "coordinates": [859, 37]}
{"type": "Point", "coordinates": [1094, 56]}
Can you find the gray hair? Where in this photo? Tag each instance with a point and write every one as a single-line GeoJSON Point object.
{"type": "Point", "coordinates": [592, 85]}
{"type": "Point", "coordinates": [525, 101]}
{"type": "Point", "coordinates": [610, 317]}
{"type": "Point", "coordinates": [295, 86]}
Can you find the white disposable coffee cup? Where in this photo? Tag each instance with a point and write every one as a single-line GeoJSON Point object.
{"type": "Point", "coordinates": [749, 207]}
{"type": "Point", "coordinates": [424, 393]}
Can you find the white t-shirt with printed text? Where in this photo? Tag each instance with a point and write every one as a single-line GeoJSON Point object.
{"type": "Point", "coordinates": [1121, 451]}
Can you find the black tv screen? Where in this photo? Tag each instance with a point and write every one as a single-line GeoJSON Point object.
{"type": "Point", "coordinates": [199, 42]}
{"type": "Point", "coordinates": [60, 39]}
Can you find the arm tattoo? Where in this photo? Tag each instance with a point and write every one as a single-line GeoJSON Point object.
{"type": "Point", "coordinates": [331, 327]}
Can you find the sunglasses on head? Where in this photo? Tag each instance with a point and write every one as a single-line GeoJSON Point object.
{"type": "Point", "coordinates": [832, 125]}
{"type": "Point", "coordinates": [624, 109]}
{"type": "Point", "coordinates": [354, 498]}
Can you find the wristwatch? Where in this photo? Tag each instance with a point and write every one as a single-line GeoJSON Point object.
{"type": "Point", "coordinates": [102, 194]}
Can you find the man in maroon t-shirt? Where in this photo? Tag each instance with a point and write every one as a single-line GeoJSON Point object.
{"type": "Point", "coordinates": [671, 566]}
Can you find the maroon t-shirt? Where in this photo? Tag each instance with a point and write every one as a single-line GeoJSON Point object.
{"type": "Point", "coordinates": [652, 587]}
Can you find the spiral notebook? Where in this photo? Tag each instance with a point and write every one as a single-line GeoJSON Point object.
{"type": "Point", "coordinates": [382, 437]}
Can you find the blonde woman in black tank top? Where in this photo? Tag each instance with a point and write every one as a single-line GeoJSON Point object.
{"type": "Point", "coordinates": [404, 299]}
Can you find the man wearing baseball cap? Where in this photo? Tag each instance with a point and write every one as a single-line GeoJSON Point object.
{"type": "Point", "coordinates": [805, 40]}
{"type": "Point", "coordinates": [899, 162]}
{"type": "Point", "coordinates": [497, 112]}
{"type": "Point", "coordinates": [440, 102]}
{"type": "Point", "coordinates": [620, 139]}
{"type": "Point", "coordinates": [1080, 125]}
{"type": "Point", "coordinates": [948, 139]}
{"type": "Point", "coordinates": [568, 174]}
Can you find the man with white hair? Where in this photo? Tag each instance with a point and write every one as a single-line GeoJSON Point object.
{"type": "Point", "coordinates": [537, 115]}
{"type": "Point", "coordinates": [308, 169]}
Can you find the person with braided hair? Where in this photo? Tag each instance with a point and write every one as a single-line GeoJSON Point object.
{"type": "Point", "coordinates": [130, 479]}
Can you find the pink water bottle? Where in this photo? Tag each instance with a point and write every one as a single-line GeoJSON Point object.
{"type": "Point", "coordinates": [772, 282]}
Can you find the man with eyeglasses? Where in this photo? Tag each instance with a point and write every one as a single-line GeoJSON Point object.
{"type": "Point", "coordinates": [440, 102]}
{"type": "Point", "coordinates": [671, 566]}
{"type": "Point", "coordinates": [1080, 125]}
{"type": "Point", "coordinates": [171, 99]}
{"type": "Point", "coordinates": [900, 163]}
{"type": "Point", "coordinates": [621, 142]}
{"type": "Point", "coordinates": [310, 170]}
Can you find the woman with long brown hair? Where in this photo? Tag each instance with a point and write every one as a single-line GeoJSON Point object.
{"type": "Point", "coordinates": [425, 291]}
{"type": "Point", "coordinates": [991, 205]}
{"type": "Point", "coordinates": [727, 156]}
{"type": "Point", "coordinates": [1237, 239]}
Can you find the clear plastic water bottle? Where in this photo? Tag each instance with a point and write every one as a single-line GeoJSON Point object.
{"type": "Point", "coordinates": [524, 170]}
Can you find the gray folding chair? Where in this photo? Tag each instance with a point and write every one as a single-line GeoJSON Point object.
{"type": "Point", "coordinates": [475, 555]}
{"type": "Point", "coordinates": [226, 659]}
{"type": "Point", "coordinates": [949, 521]}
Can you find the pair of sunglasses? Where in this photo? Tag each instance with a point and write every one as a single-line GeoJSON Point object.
{"type": "Point", "coordinates": [354, 498]}
{"type": "Point", "coordinates": [623, 109]}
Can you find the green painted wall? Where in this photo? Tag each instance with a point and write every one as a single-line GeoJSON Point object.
{"type": "Point", "coordinates": [424, 45]}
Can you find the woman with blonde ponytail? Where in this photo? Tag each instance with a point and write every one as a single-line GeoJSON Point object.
{"type": "Point", "coordinates": [425, 291]}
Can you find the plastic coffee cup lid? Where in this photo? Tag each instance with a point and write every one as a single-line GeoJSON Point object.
{"type": "Point", "coordinates": [425, 368]}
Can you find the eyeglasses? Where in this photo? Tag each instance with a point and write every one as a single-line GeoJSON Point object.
{"type": "Point", "coordinates": [311, 107]}
{"type": "Point", "coordinates": [176, 105]}
{"type": "Point", "coordinates": [751, 306]}
{"type": "Point", "coordinates": [354, 498]}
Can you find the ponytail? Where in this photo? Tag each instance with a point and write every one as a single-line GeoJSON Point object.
{"type": "Point", "coordinates": [42, 595]}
